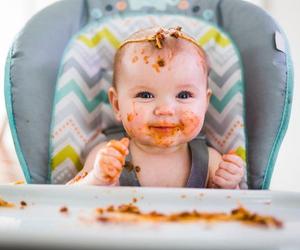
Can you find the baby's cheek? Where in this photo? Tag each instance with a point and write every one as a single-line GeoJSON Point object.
{"type": "Point", "coordinates": [133, 123]}
{"type": "Point", "coordinates": [190, 123]}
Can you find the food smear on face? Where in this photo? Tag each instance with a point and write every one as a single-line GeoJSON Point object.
{"type": "Point", "coordinates": [190, 122]}
{"type": "Point", "coordinates": [135, 59]}
{"type": "Point", "coordinates": [164, 133]}
{"type": "Point", "coordinates": [130, 117]}
{"type": "Point", "coordinates": [146, 59]}
{"type": "Point", "coordinates": [155, 66]}
{"type": "Point", "coordinates": [160, 61]}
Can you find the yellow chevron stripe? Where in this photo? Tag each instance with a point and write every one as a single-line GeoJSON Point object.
{"type": "Point", "coordinates": [216, 35]}
{"type": "Point", "coordinates": [61, 156]}
{"type": "Point", "coordinates": [96, 39]}
{"type": "Point", "coordinates": [240, 151]}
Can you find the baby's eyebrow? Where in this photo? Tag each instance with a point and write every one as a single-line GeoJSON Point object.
{"type": "Point", "coordinates": [179, 86]}
{"type": "Point", "coordinates": [142, 86]}
{"type": "Point", "coordinates": [187, 85]}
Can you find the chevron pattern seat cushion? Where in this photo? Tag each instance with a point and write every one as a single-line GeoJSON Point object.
{"type": "Point", "coordinates": [81, 110]}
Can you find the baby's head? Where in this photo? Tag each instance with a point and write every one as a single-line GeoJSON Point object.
{"type": "Point", "coordinates": [160, 90]}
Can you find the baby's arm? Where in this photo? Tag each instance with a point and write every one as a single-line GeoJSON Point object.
{"type": "Point", "coordinates": [104, 164]}
{"type": "Point", "coordinates": [225, 171]}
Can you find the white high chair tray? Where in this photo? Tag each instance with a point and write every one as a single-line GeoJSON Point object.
{"type": "Point", "coordinates": [41, 224]}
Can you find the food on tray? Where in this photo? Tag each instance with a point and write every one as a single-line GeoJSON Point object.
{"type": "Point", "coordinates": [4, 203]}
{"type": "Point", "coordinates": [131, 213]}
{"type": "Point", "coordinates": [23, 204]}
{"type": "Point", "coordinates": [18, 182]}
{"type": "Point", "coordinates": [64, 209]}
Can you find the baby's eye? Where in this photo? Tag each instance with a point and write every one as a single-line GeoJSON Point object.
{"type": "Point", "coordinates": [184, 95]}
{"type": "Point", "coordinates": [144, 94]}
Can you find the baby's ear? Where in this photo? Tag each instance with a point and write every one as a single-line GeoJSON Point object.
{"type": "Point", "coordinates": [114, 102]}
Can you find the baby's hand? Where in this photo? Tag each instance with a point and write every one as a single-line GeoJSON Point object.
{"type": "Point", "coordinates": [109, 161]}
{"type": "Point", "coordinates": [230, 172]}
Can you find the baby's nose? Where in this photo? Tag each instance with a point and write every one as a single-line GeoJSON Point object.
{"type": "Point", "coordinates": [164, 110]}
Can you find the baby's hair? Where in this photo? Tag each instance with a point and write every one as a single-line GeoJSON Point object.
{"type": "Point", "coordinates": [157, 36]}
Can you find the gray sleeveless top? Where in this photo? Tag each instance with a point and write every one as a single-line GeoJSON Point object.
{"type": "Point", "coordinates": [199, 168]}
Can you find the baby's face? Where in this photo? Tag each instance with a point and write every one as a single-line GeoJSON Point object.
{"type": "Point", "coordinates": [162, 97]}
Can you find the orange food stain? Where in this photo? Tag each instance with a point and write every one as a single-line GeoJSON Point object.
{"type": "Point", "coordinates": [130, 117]}
{"type": "Point", "coordinates": [146, 59]}
{"type": "Point", "coordinates": [163, 137]}
{"type": "Point", "coordinates": [156, 67]}
{"type": "Point", "coordinates": [135, 59]}
{"type": "Point", "coordinates": [190, 122]}
{"type": "Point", "coordinates": [160, 61]}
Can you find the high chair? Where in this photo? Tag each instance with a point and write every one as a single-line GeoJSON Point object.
{"type": "Point", "coordinates": [60, 66]}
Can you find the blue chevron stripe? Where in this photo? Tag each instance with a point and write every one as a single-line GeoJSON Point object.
{"type": "Point", "coordinates": [220, 105]}
{"type": "Point", "coordinates": [72, 86]}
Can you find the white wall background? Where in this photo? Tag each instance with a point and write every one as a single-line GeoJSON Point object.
{"type": "Point", "coordinates": [15, 13]}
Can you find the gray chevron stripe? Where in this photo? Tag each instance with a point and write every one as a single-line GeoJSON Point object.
{"type": "Point", "coordinates": [74, 140]}
{"type": "Point", "coordinates": [220, 58]}
{"type": "Point", "coordinates": [84, 54]}
{"type": "Point", "coordinates": [90, 81]}
{"type": "Point", "coordinates": [63, 173]}
{"type": "Point", "coordinates": [231, 145]}
{"type": "Point", "coordinates": [94, 56]}
{"type": "Point", "coordinates": [117, 27]}
{"type": "Point", "coordinates": [237, 137]}
{"type": "Point", "coordinates": [237, 109]}
{"type": "Point", "coordinates": [67, 138]}
{"type": "Point", "coordinates": [94, 52]}
{"type": "Point", "coordinates": [102, 113]}
{"type": "Point", "coordinates": [102, 53]}
{"type": "Point", "coordinates": [219, 128]}
{"type": "Point", "coordinates": [221, 80]}
{"type": "Point", "coordinates": [145, 21]}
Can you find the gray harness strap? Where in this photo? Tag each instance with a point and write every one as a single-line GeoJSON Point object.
{"type": "Point", "coordinates": [199, 168]}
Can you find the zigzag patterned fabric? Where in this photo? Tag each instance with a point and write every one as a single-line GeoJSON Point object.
{"type": "Point", "coordinates": [81, 108]}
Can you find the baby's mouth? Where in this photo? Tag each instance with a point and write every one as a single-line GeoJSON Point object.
{"type": "Point", "coordinates": [165, 128]}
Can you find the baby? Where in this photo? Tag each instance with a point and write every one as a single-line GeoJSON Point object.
{"type": "Point", "coordinates": [160, 94]}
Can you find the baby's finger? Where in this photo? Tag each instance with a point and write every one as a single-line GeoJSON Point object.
{"type": "Point", "coordinates": [118, 146]}
{"type": "Point", "coordinates": [234, 159]}
{"type": "Point", "coordinates": [125, 141]}
{"type": "Point", "coordinates": [110, 161]}
{"type": "Point", "coordinates": [232, 151]}
{"type": "Point", "coordinates": [224, 174]}
{"type": "Point", "coordinates": [222, 183]}
{"type": "Point", "coordinates": [110, 151]}
{"type": "Point", "coordinates": [110, 171]}
{"type": "Point", "coordinates": [231, 168]}
{"type": "Point", "coordinates": [107, 179]}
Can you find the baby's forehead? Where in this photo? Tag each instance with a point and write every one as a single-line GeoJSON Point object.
{"type": "Point", "coordinates": [142, 62]}
{"type": "Point", "coordinates": [171, 49]}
